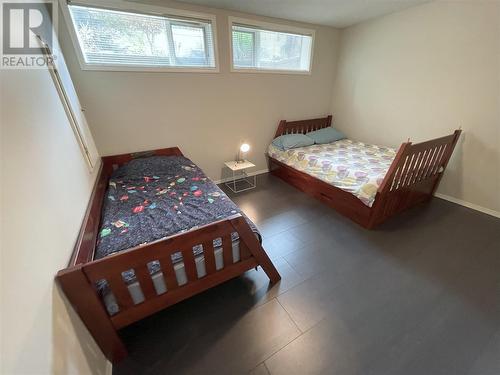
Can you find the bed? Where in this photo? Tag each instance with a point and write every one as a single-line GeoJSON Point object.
{"type": "Point", "coordinates": [156, 231]}
{"type": "Point", "coordinates": [366, 183]}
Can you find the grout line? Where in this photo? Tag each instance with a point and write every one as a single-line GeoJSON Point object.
{"type": "Point", "coordinates": [294, 226]}
{"type": "Point", "coordinates": [288, 343]}
{"type": "Point", "coordinates": [289, 316]}
{"type": "Point", "coordinates": [280, 349]}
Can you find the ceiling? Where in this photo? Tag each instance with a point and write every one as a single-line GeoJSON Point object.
{"type": "Point", "coordinates": [336, 13]}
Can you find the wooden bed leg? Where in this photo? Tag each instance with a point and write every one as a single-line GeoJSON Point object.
{"type": "Point", "coordinates": [86, 302]}
{"type": "Point", "coordinates": [241, 226]}
{"type": "Point", "coordinates": [269, 164]}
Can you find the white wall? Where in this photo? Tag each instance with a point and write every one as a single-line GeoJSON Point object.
{"type": "Point", "coordinates": [206, 115]}
{"type": "Point", "coordinates": [45, 189]}
{"type": "Point", "coordinates": [421, 73]}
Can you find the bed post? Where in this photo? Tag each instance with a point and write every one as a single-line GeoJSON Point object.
{"type": "Point", "coordinates": [385, 186]}
{"type": "Point", "coordinates": [381, 199]}
{"type": "Point", "coordinates": [241, 226]}
{"type": "Point", "coordinates": [329, 120]}
{"type": "Point", "coordinates": [456, 136]}
{"type": "Point", "coordinates": [88, 306]}
{"type": "Point", "coordinates": [281, 128]}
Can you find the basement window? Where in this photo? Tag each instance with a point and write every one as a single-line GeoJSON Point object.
{"type": "Point", "coordinates": [139, 37]}
{"type": "Point", "coordinates": [264, 47]}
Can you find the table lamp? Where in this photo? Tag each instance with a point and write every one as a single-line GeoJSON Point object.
{"type": "Point", "coordinates": [244, 148]}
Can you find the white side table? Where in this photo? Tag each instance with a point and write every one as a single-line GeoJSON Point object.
{"type": "Point", "coordinates": [240, 180]}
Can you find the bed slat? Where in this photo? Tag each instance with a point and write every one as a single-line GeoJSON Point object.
{"type": "Point", "coordinates": [440, 160]}
{"type": "Point", "coordinates": [208, 252]}
{"type": "Point", "coordinates": [404, 171]}
{"type": "Point", "coordinates": [168, 272]}
{"type": "Point", "coordinates": [428, 172]}
{"type": "Point", "coordinates": [302, 126]}
{"type": "Point", "coordinates": [189, 264]}
{"type": "Point", "coordinates": [227, 250]}
{"type": "Point", "coordinates": [417, 159]}
{"type": "Point", "coordinates": [425, 163]}
{"type": "Point", "coordinates": [145, 281]}
{"type": "Point", "coordinates": [244, 253]}
{"type": "Point", "coordinates": [120, 291]}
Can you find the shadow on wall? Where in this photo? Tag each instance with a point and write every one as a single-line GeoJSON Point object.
{"type": "Point", "coordinates": [453, 179]}
{"type": "Point", "coordinates": [74, 349]}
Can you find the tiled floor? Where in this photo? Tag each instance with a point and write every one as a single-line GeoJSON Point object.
{"type": "Point", "coordinates": [420, 295]}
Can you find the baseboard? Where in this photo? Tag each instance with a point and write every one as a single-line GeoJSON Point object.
{"type": "Point", "coordinates": [109, 368]}
{"type": "Point", "coordinates": [254, 173]}
{"type": "Point", "coordinates": [468, 205]}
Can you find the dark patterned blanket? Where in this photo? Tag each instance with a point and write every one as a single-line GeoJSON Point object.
{"type": "Point", "coordinates": [155, 197]}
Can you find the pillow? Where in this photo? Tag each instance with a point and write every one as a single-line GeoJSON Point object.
{"type": "Point", "coordinates": [326, 135]}
{"type": "Point", "coordinates": [288, 141]}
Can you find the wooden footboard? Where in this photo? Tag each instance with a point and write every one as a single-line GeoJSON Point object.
{"type": "Point", "coordinates": [413, 177]}
{"type": "Point", "coordinates": [78, 281]}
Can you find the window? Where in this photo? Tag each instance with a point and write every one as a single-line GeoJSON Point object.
{"type": "Point", "coordinates": [266, 47]}
{"type": "Point", "coordinates": [112, 39]}
{"type": "Point", "coordinates": [69, 100]}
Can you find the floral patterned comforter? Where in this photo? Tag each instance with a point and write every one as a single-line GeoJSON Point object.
{"type": "Point", "coordinates": [355, 167]}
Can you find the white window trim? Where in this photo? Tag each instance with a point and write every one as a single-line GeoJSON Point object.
{"type": "Point", "coordinates": [145, 9]}
{"type": "Point", "coordinates": [272, 27]}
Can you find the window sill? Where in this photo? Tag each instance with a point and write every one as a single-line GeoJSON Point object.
{"type": "Point", "coordinates": [269, 71]}
{"type": "Point", "coordinates": [147, 69]}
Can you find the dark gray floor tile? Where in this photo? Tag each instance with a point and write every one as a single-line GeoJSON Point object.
{"type": "Point", "coordinates": [280, 223]}
{"type": "Point", "coordinates": [488, 362]}
{"type": "Point", "coordinates": [233, 349]}
{"type": "Point", "coordinates": [448, 340]}
{"type": "Point", "coordinates": [258, 283]}
{"type": "Point", "coordinates": [281, 244]}
{"type": "Point", "coordinates": [325, 349]}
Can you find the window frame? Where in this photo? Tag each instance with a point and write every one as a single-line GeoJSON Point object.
{"type": "Point", "coordinates": [139, 8]}
{"type": "Point", "coordinates": [260, 25]}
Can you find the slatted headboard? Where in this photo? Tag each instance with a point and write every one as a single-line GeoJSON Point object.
{"type": "Point", "coordinates": [303, 126]}
{"type": "Point", "coordinates": [118, 160]}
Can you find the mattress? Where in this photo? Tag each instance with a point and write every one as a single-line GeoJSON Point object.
{"type": "Point", "coordinates": [153, 198]}
{"type": "Point", "coordinates": [159, 283]}
{"type": "Point", "coordinates": [352, 166]}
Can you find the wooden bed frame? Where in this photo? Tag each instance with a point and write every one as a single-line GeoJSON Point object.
{"type": "Point", "coordinates": [79, 278]}
{"type": "Point", "coordinates": [412, 178]}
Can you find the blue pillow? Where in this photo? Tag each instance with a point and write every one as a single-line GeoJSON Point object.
{"type": "Point", "coordinates": [288, 141]}
{"type": "Point", "coordinates": [326, 135]}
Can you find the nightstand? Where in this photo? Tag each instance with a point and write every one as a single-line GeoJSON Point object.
{"type": "Point", "coordinates": [240, 180]}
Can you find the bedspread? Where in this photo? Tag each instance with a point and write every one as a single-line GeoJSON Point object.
{"type": "Point", "coordinates": [352, 166]}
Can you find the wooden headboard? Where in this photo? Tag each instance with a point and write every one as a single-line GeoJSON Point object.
{"type": "Point", "coordinates": [303, 126]}
{"type": "Point", "coordinates": [118, 160]}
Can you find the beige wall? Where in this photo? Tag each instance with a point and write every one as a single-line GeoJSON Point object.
{"type": "Point", "coordinates": [421, 73]}
{"type": "Point", "coordinates": [207, 115]}
{"type": "Point", "coordinates": [45, 189]}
